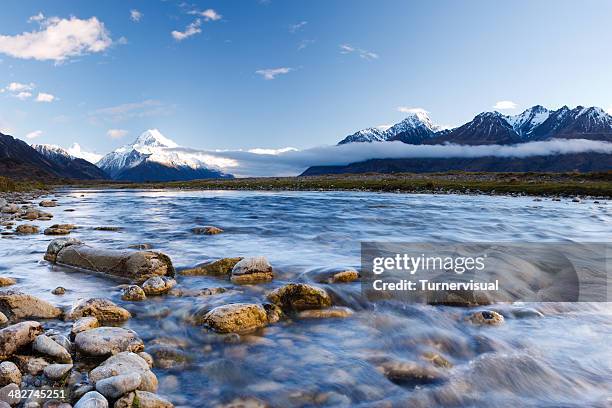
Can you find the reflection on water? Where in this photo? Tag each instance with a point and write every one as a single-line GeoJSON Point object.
{"type": "Point", "coordinates": [562, 358]}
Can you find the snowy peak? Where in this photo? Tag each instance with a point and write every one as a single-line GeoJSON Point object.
{"type": "Point", "coordinates": [365, 136]}
{"type": "Point", "coordinates": [50, 151]}
{"type": "Point", "coordinates": [154, 138]}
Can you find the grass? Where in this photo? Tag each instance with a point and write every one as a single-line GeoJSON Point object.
{"type": "Point", "coordinates": [9, 185]}
{"type": "Point", "coordinates": [547, 184]}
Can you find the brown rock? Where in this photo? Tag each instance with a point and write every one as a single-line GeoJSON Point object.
{"type": "Point", "coordinates": [19, 335]}
{"type": "Point", "coordinates": [207, 230]}
{"type": "Point", "coordinates": [236, 318]}
{"type": "Point", "coordinates": [299, 296]}
{"type": "Point", "coordinates": [158, 285]}
{"type": "Point", "coordinates": [106, 341]}
{"type": "Point", "coordinates": [48, 203]}
{"type": "Point", "coordinates": [221, 267]}
{"type": "Point", "coordinates": [5, 281]}
{"type": "Point", "coordinates": [487, 317]}
{"type": "Point", "coordinates": [26, 229]}
{"type": "Point", "coordinates": [84, 324]}
{"type": "Point", "coordinates": [102, 309]}
{"type": "Point", "coordinates": [133, 293]}
{"type": "Point", "coordinates": [332, 312]}
{"type": "Point", "coordinates": [17, 305]}
{"type": "Point", "coordinates": [252, 270]}
{"type": "Point", "coordinates": [56, 231]}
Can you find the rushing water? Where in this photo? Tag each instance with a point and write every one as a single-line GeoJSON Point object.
{"type": "Point", "coordinates": [563, 358]}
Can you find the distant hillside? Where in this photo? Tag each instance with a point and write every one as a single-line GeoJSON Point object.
{"type": "Point", "coordinates": [73, 167]}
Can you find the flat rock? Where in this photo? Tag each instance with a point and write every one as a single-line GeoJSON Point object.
{"type": "Point", "coordinates": [56, 372]}
{"type": "Point", "coordinates": [105, 341]}
{"type": "Point", "coordinates": [299, 296]}
{"type": "Point", "coordinates": [108, 228]}
{"type": "Point", "coordinates": [332, 312]}
{"type": "Point", "coordinates": [158, 285]}
{"type": "Point", "coordinates": [84, 324]}
{"type": "Point", "coordinates": [126, 363]}
{"type": "Point", "coordinates": [48, 203]}
{"type": "Point", "coordinates": [5, 281]}
{"type": "Point", "coordinates": [18, 305]}
{"type": "Point", "coordinates": [46, 346]}
{"type": "Point", "coordinates": [9, 373]}
{"type": "Point", "coordinates": [118, 385]}
{"type": "Point", "coordinates": [236, 318]}
{"type": "Point", "coordinates": [252, 270]}
{"type": "Point", "coordinates": [102, 309]}
{"type": "Point", "coordinates": [56, 231]}
{"type": "Point", "coordinates": [133, 293]}
{"type": "Point", "coordinates": [92, 399]}
{"type": "Point", "coordinates": [16, 336]}
{"type": "Point", "coordinates": [26, 229]}
{"type": "Point", "coordinates": [57, 245]}
{"type": "Point", "coordinates": [207, 230]}
{"type": "Point", "coordinates": [220, 267]}
{"type": "Point", "coordinates": [145, 400]}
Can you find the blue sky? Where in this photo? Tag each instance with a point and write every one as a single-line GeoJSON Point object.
{"type": "Point", "coordinates": [288, 73]}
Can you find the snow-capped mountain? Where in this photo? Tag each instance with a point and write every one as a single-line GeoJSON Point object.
{"type": "Point", "coordinates": [153, 157]}
{"type": "Point", "coordinates": [535, 123]}
{"type": "Point", "coordinates": [414, 129]}
{"type": "Point", "coordinates": [68, 165]}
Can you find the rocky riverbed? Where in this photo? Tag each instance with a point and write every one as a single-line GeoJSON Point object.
{"type": "Point", "coordinates": [232, 299]}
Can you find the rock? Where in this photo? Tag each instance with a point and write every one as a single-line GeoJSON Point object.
{"type": "Point", "coordinates": [3, 319]}
{"type": "Point", "coordinates": [146, 357]}
{"type": "Point", "coordinates": [105, 341]}
{"type": "Point", "coordinates": [84, 324]}
{"type": "Point", "coordinates": [220, 267]}
{"type": "Point", "coordinates": [26, 229]}
{"type": "Point", "coordinates": [141, 247]}
{"type": "Point", "coordinates": [116, 386]}
{"type": "Point", "coordinates": [437, 360]}
{"type": "Point", "coordinates": [207, 230]}
{"type": "Point", "coordinates": [64, 226]}
{"type": "Point", "coordinates": [17, 305]}
{"type": "Point", "coordinates": [410, 373]}
{"type": "Point", "coordinates": [236, 318]}
{"type": "Point", "coordinates": [138, 265]}
{"type": "Point", "coordinates": [62, 341]}
{"type": "Point", "coordinates": [248, 402]}
{"type": "Point", "coordinates": [56, 231]}
{"type": "Point", "coordinates": [10, 209]}
{"type": "Point", "coordinates": [106, 228]}
{"type": "Point", "coordinates": [44, 345]}
{"type": "Point", "coordinates": [92, 399]}
{"type": "Point", "coordinates": [4, 281]}
{"type": "Point", "coordinates": [48, 203]}
{"type": "Point", "coordinates": [56, 372]}
{"type": "Point", "coordinates": [59, 291]}
{"type": "Point", "coordinates": [57, 245]}
{"type": "Point", "coordinates": [489, 317]}
{"type": "Point", "coordinates": [144, 399]}
{"type": "Point", "coordinates": [299, 296]}
{"type": "Point", "coordinates": [102, 309]}
{"type": "Point", "coordinates": [344, 276]}
{"type": "Point", "coordinates": [158, 285]}
{"type": "Point", "coordinates": [252, 270]}
{"type": "Point", "coordinates": [6, 405]}
{"type": "Point", "coordinates": [30, 364]}
{"type": "Point", "coordinates": [54, 404]}
{"type": "Point", "coordinates": [9, 373]}
{"type": "Point", "coordinates": [7, 394]}
{"type": "Point", "coordinates": [166, 357]}
{"type": "Point", "coordinates": [133, 293]}
{"type": "Point", "coordinates": [332, 312]}
{"type": "Point", "coordinates": [125, 363]}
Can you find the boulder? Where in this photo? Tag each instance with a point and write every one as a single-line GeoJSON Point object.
{"type": "Point", "coordinates": [144, 399]}
{"type": "Point", "coordinates": [410, 373]}
{"type": "Point", "coordinates": [207, 230]}
{"type": "Point", "coordinates": [30, 364]}
{"type": "Point", "coordinates": [158, 285]}
{"type": "Point", "coordinates": [133, 293]}
{"type": "Point", "coordinates": [56, 372]}
{"type": "Point", "coordinates": [84, 324]}
{"type": "Point", "coordinates": [59, 291]}
{"type": "Point", "coordinates": [44, 345]}
{"type": "Point", "coordinates": [102, 309]}
{"type": "Point", "coordinates": [19, 335]}
{"type": "Point", "coordinates": [17, 305]}
{"type": "Point", "coordinates": [137, 265]}
{"type": "Point", "coordinates": [125, 363]}
{"type": "Point", "coordinates": [220, 267]}
{"type": "Point", "coordinates": [92, 399]}
{"type": "Point", "coordinates": [299, 296]}
{"type": "Point", "coordinates": [118, 385]}
{"type": "Point", "coordinates": [486, 317]}
{"type": "Point", "coordinates": [48, 203]}
{"type": "Point", "coordinates": [57, 245]}
{"type": "Point", "coordinates": [26, 229]}
{"type": "Point", "coordinates": [141, 247]}
{"type": "Point", "coordinates": [56, 231]}
{"type": "Point", "coordinates": [9, 373]}
{"type": "Point", "coordinates": [344, 276]}
{"type": "Point", "coordinates": [10, 209]}
{"type": "Point", "coordinates": [5, 281]}
{"type": "Point", "coordinates": [106, 341]}
{"type": "Point", "coordinates": [236, 318]}
{"type": "Point", "coordinates": [252, 270]}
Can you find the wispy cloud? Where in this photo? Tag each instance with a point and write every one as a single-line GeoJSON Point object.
{"type": "Point", "coordinates": [23, 95]}
{"type": "Point", "coordinates": [294, 28]}
{"type": "Point", "coordinates": [57, 39]}
{"type": "Point", "coordinates": [365, 54]}
{"type": "Point", "coordinates": [45, 97]}
{"type": "Point", "coordinates": [207, 15]}
{"type": "Point", "coordinates": [34, 134]}
{"type": "Point", "coordinates": [505, 105]}
{"type": "Point", "coordinates": [191, 29]}
{"type": "Point", "coordinates": [116, 133]}
{"type": "Point", "coordinates": [135, 15]}
{"type": "Point", "coordinates": [271, 73]}
{"type": "Point", "coordinates": [406, 109]}
{"type": "Point", "coordinates": [18, 86]}
{"type": "Point", "coordinates": [126, 111]}
{"type": "Point", "coordinates": [304, 43]}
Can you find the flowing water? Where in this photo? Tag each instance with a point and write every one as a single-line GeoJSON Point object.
{"type": "Point", "coordinates": [562, 357]}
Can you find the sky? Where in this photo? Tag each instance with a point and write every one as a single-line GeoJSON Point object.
{"type": "Point", "coordinates": [272, 74]}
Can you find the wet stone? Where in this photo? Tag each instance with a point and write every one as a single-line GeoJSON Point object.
{"type": "Point", "coordinates": [145, 399]}
{"type": "Point", "coordinates": [206, 230]}
{"type": "Point", "coordinates": [9, 373]}
{"type": "Point", "coordinates": [252, 270]}
{"type": "Point", "coordinates": [56, 372]}
{"type": "Point", "coordinates": [4, 281]}
{"type": "Point", "coordinates": [84, 324]}
{"type": "Point", "coordinates": [299, 296]}
{"type": "Point", "coordinates": [116, 386]}
{"type": "Point", "coordinates": [59, 291]}
{"type": "Point", "coordinates": [105, 341]}
{"type": "Point", "coordinates": [332, 312]}
{"type": "Point", "coordinates": [44, 345]}
{"type": "Point", "coordinates": [126, 363]}
{"type": "Point", "coordinates": [26, 229]}
{"type": "Point", "coordinates": [236, 318]}
{"type": "Point", "coordinates": [102, 309]}
{"type": "Point", "coordinates": [18, 305]}
{"type": "Point", "coordinates": [220, 267]}
{"type": "Point", "coordinates": [133, 293]}
{"type": "Point", "coordinates": [158, 285]}
{"type": "Point", "coordinates": [486, 317]}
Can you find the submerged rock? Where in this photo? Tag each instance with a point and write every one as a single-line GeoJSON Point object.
{"type": "Point", "coordinates": [332, 312]}
{"type": "Point", "coordinates": [220, 267]}
{"type": "Point", "coordinates": [26, 229]}
{"type": "Point", "coordinates": [84, 324]}
{"type": "Point", "coordinates": [158, 285]}
{"type": "Point", "coordinates": [207, 230]}
{"type": "Point", "coordinates": [19, 335]}
{"type": "Point", "coordinates": [141, 247]}
{"type": "Point", "coordinates": [236, 318]}
{"type": "Point", "coordinates": [102, 309]}
{"type": "Point", "coordinates": [48, 203]}
{"type": "Point", "coordinates": [44, 345]}
{"type": "Point", "coordinates": [59, 291]}
{"type": "Point", "coordinates": [125, 363]}
{"type": "Point", "coordinates": [488, 317]}
{"type": "Point", "coordinates": [252, 270]}
{"type": "Point", "coordinates": [92, 399]}
{"type": "Point", "coordinates": [133, 293]}
{"type": "Point", "coordinates": [106, 228]}
{"type": "Point", "coordinates": [18, 305]}
{"type": "Point", "coordinates": [137, 265]}
{"type": "Point", "coordinates": [56, 231]}
{"type": "Point", "coordinates": [299, 296]}
{"type": "Point", "coordinates": [105, 341]}
{"type": "Point", "coordinates": [410, 373]}
{"type": "Point", "coordinates": [166, 357]}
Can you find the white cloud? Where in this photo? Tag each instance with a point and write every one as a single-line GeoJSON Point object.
{"type": "Point", "coordinates": [34, 134]}
{"type": "Point", "coordinates": [23, 95]}
{"type": "Point", "coordinates": [365, 54]}
{"type": "Point", "coordinates": [36, 18]}
{"type": "Point", "coordinates": [609, 110]}
{"type": "Point", "coordinates": [135, 15]}
{"type": "Point", "coordinates": [126, 111]}
{"type": "Point", "coordinates": [504, 105]}
{"type": "Point", "coordinates": [271, 73]}
{"type": "Point", "coordinates": [18, 86]}
{"type": "Point", "coordinates": [191, 29]}
{"type": "Point", "coordinates": [58, 39]}
{"type": "Point", "coordinates": [297, 27]}
{"type": "Point", "coordinates": [304, 43]}
{"type": "Point", "coordinates": [208, 14]}
{"type": "Point", "coordinates": [116, 133]}
{"type": "Point", "coordinates": [76, 151]}
{"type": "Point", "coordinates": [45, 97]}
{"type": "Point", "coordinates": [406, 109]}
